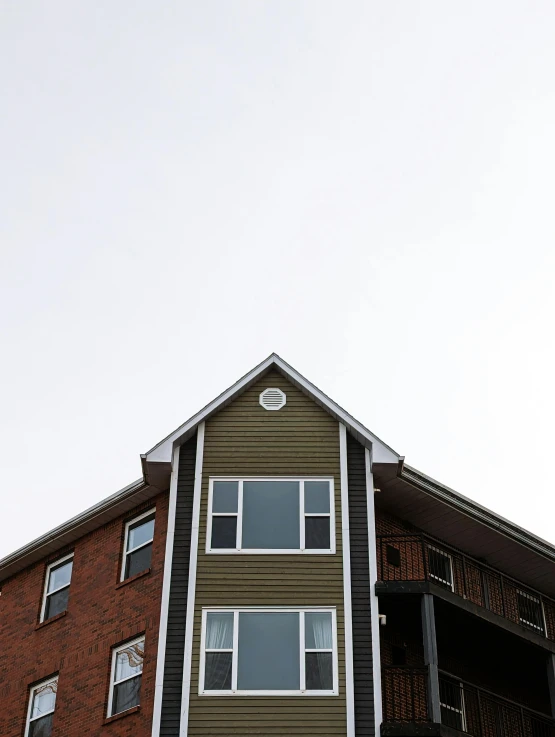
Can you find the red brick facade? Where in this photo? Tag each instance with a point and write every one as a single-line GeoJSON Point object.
{"type": "Point", "coordinates": [101, 613]}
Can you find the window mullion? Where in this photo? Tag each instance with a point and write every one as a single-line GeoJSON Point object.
{"type": "Point", "coordinates": [239, 531]}
{"type": "Point", "coordinates": [142, 545]}
{"type": "Point", "coordinates": [128, 678]}
{"type": "Point", "coordinates": [302, 516]}
{"type": "Point", "coordinates": [235, 656]}
{"type": "Point", "coordinates": [302, 659]}
{"type": "Point", "coordinates": [60, 588]}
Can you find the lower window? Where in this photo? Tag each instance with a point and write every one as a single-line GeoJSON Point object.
{"type": "Point", "coordinates": [126, 676]}
{"type": "Point", "coordinates": [269, 651]}
{"type": "Point", "coordinates": [42, 702]}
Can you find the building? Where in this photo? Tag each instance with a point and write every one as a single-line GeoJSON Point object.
{"type": "Point", "coordinates": [279, 570]}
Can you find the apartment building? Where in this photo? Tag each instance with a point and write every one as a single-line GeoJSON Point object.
{"type": "Point", "coordinates": [279, 570]}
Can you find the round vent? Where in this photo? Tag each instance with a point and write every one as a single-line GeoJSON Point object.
{"type": "Point", "coordinates": [272, 399]}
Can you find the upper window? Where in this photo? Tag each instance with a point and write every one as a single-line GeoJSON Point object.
{"type": "Point", "coordinates": [265, 651]}
{"type": "Point", "coordinates": [42, 701]}
{"type": "Point", "coordinates": [270, 516]}
{"type": "Point", "coordinates": [125, 681]}
{"type": "Point", "coordinates": [56, 587]}
{"type": "Point", "coordinates": [440, 567]}
{"type": "Point", "coordinates": [137, 550]}
{"type": "Point", "coordinates": [530, 611]}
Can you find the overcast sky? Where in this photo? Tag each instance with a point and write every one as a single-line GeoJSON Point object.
{"type": "Point", "coordinates": [366, 188]}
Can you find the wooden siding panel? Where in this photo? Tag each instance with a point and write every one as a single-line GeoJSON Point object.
{"type": "Point", "coordinates": [175, 640]}
{"type": "Point", "coordinates": [246, 440]}
{"type": "Point", "coordinates": [360, 591]}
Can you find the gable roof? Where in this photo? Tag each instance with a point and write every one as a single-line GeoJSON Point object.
{"type": "Point", "coordinates": [157, 464]}
{"type": "Point", "coordinates": [157, 461]}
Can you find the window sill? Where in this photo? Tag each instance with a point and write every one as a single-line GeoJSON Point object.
{"type": "Point", "coordinates": [133, 578]}
{"type": "Point", "coordinates": [40, 625]}
{"type": "Point", "coordinates": [126, 713]}
{"type": "Point", "coordinates": [280, 694]}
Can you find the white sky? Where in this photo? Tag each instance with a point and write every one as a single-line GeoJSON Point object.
{"type": "Point", "coordinates": [366, 188]}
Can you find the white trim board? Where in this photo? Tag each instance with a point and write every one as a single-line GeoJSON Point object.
{"type": "Point", "coordinates": [165, 601]}
{"type": "Point", "coordinates": [191, 588]}
{"type": "Point", "coordinates": [374, 604]}
{"type": "Point", "coordinates": [347, 601]}
{"type": "Point", "coordinates": [382, 453]}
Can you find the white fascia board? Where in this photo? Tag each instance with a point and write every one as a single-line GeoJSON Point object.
{"type": "Point", "coordinates": [381, 453]}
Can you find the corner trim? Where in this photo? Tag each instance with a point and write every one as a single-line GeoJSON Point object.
{"type": "Point", "coordinates": [348, 612]}
{"type": "Point", "coordinates": [374, 603]}
{"type": "Point", "coordinates": [191, 589]}
{"type": "Point", "coordinates": [165, 600]}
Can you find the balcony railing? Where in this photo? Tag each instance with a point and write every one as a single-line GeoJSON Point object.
{"type": "Point", "coordinates": [421, 558]}
{"type": "Point", "coordinates": [464, 707]}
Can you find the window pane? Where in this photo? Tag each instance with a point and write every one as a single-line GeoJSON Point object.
{"type": "Point", "coordinates": [224, 496]}
{"type": "Point", "coordinates": [440, 566]}
{"type": "Point", "coordinates": [41, 727]}
{"type": "Point", "coordinates": [219, 631]}
{"type": "Point", "coordinates": [450, 696]}
{"type": "Point", "coordinates": [317, 497]}
{"type": "Point", "coordinates": [130, 661]}
{"type": "Point", "coordinates": [318, 631]}
{"type": "Point", "coordinates": [271, 515]}
{"type": "Point", "coordinates": [317, 533]}
{"type": "Point", "coordinates": [56, 603]}
{"type": "Point", "coordinates": [126, 695]}
{"type": "Point", "coordinates": [44, 699]}
{"type": "Point", "coordinates": [217, 671]}
{"type": "Point", "coordinates": [268, 651]}
{"type": "Point", "coordinates": [138, 561]}
{"type": "Point", "coordinates": [140, 532]}
{"type": "Point", "coordinates": [319, 671]}
{"type": "Point", "coordinates": [60, 576]}
{"type": "Point", "coordinates": [224, 532]}
{"type": "Point", "coordinates": [530, 611]}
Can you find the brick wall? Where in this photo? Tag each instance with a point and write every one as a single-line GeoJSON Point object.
{"type": "Point", "coordinates": [100, 614]}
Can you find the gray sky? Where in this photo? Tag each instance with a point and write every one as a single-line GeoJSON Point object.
{"type": "Point", "coordinates": [366, 188]}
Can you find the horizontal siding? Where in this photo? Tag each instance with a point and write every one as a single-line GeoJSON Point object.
{"type": "Point", "coordinates": [246, 440]}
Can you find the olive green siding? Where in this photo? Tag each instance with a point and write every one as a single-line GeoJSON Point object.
{"type": "Point", "coordinates": [246, 440]}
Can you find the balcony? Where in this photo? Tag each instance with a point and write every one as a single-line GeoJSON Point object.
{"type": "Point", "coordinates": [465, 708]}
{"type": "Point", "coordinates": [419, 558]}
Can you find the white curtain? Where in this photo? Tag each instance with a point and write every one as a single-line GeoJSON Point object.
{"type": "Point", "coordinates": [219, 631]}
{"type": "Point", "coordinates": [318, 631]}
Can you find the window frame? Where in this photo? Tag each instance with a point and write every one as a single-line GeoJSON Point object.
{"type": "Point", "coordinates": [32, 690]}
{"type": "Point", "coordinates": [46, 593]}
{"type": "Point", "coordinates": [302, 652]}
{"type": "Point", "coordinates": [525, 622]}
{"type": "Point", "coordinates": [462, 710]}
{"type": "Point", "coordinates": [113, 682]}
{"type": "Point", "coordinates": [442, 582]}
{"type": "Point", "coordinates": [238, 550]}
{"type": "Point", "coordinates": [132, 521]}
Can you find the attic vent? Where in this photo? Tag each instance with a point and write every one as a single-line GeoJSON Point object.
{"type": "Point", "coordinates": [272, 399]}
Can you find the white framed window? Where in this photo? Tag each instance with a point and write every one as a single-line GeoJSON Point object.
{"type": "Point", "coordinates": [271, 515]}
{"type": "Point", "coordinates": [530, 611]}
{"type": "Point", "coordinates": [42, 702]}
{"type": "Point", "coordinates": [126, 675]}
{"type": "Point", "coordinates": [269, 652]}
{"type": "Point", "coordinates": [451, 701]}
{"type": "Point", "coordinates": [56, 587]}
{"type": "Point", "coordinates": [440, 567]}
{"type": "Point", "coordinates": [137, 544]}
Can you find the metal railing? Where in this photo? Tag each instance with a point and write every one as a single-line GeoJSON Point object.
{"type": "Point", "coordinates": [464, 707]}
{"type": "Point", "coordinates": [419, 557]}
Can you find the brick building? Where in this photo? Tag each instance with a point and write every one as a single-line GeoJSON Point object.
{"type": "Point", "coordinates": [279, 570]}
